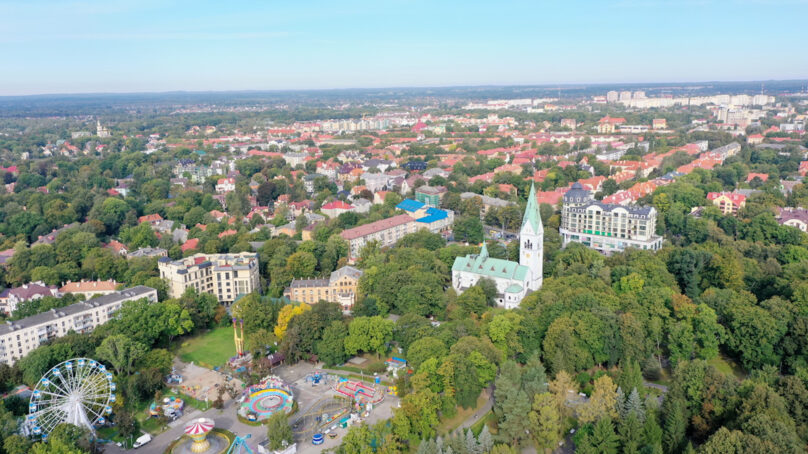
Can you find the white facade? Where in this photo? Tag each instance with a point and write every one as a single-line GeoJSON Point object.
{"type": "Point", "coordinates": [513, 280]}
{"type": "Point", "coordinates": [20, 337]}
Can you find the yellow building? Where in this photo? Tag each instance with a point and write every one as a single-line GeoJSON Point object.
{"type": "Point", "coordinates": [340, 287]}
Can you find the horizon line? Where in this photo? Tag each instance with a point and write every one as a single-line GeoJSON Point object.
{"type": "Point", "coordinates": [548, 86]}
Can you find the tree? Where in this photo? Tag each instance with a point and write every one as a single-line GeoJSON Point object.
{"type": "Point", "coordinates": [468, 229]}
{"type": "Point", "coordinates": [515, 423]}
{"type": "Point", "coordinates": [485, 440]}
{"type": "Point", "coordinates": [121, 352]}
{"type": "Point", "coordinates": [603, 439]}
{"type": "Point", "coordinates": [675, 425]}
{"type": "Point", "coordinates": [472, 301]}
{"type": "Point", "coordinates": [545, 421]}
{"type": "Point", "coordinates": [368, 334]}
{"type": "Point", "coordinates": [176, 321]}
{"type": "Point", "coordinates": [630, 431]}
{"type": "Point", "coordinates": [331, 349]}
{"type": "Point", "coordinates": [285, 315]}
{"type": "Point", "coordinates": [301, 264]}
{"type": "Point", "coordinates": [279, 432]}
{"type": "Point", "coordinates": [560, 388]}
{"type": "Point", "coordinates": [423, 349]}
{"type": "Point", "coordinates": [16, 444]}
{"type": "Point", "coordinates": [603, 402]}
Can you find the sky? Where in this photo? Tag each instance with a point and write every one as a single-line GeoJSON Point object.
{"type": "Point", "coordinates": [67, 46]}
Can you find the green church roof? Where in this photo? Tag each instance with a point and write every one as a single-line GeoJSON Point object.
{"type": "Point", "coordinates": [490, 267]}
{"type": "Point", "coordinates": [532, 214]}
{"type": "Point", "coordinates": [513, 288]}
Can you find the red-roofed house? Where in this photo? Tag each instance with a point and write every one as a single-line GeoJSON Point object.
{"type": "Point", "coordinates": [227, 233]}
{"type": "Point", "coordinates": [803, 168]}
{"type": "Point", "coordinates": [727, 202]}
{"type": "Point", "coordinates": [552, 198]}
{"type": "Point", "coordinates": [607, 124]}
{"type": "Point", "coordinates": [763, 177]}
{"type": "Point", "coordinates": [336, 208]}
{"type": "Point", "coordinates": [593, 183]}
{"type": "Point", "coordinates": [118, 247]}
{"type": "Point", "coordinates": [190, 244]}
{"type": "Point", "coordinates": [150, 218]}
{"type": "Point", "coordinates": [225, 185]}
{"type": "Point", "coordinates": [754, 139]}
{"type": "Point", "coordinates": [486, 177]}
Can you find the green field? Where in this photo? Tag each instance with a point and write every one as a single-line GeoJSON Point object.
{"type": "Point", "coordinates": [210, 349]}
{"type": "Point", "coordinates": [727, 366]}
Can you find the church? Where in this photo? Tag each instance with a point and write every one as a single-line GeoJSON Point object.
{"type": "Point", "coordinates": [513, 280]}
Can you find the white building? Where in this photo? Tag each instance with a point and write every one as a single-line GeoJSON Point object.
{"type": "Point", "coordinates": [606, 227]}
{"type": "Point", "coordinates": [18, 338]}
{"type": "Point", "coordinates": [225, 185]}
{"type": "Point", "coordinates": [513, 280]}
{"type": "Point", "coordinates": [226, 276]}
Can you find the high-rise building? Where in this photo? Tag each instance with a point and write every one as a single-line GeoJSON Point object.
{"type": "Point", "coordinates": [226, 276]}
{"type": "Point", "coordinates": [606, 227]}
{"type": "Point", "coordinates": [612, 96]}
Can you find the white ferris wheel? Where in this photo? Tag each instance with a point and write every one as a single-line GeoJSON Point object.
{"type": "Point", "coordinates": [78, 391]}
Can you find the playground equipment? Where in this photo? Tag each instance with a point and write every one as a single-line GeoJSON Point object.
{"type": "Point", "coordinates": [317, 439]}
{"type": "Point", "coordinates": [264, 399]}
{"type": "Point", "coordinates": [240, 445]}
{"type": "Point", "coordinates": [77, 391]}
{"type": "Point", "coordinates": [359, 391]}
{"type": "Point", "coordinates": [395, 365]}
{"type": "Point", "coordinates": [316, 377]}
{"type": "Point", "coordinates": [172, 406]}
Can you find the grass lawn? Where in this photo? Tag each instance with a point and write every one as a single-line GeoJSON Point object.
{"type": "Point", "coordinates": [448, 425]}
{"type": "Point", "coordinates": [727, 366]}
{"type": "Point", "coordinates": [210, 349]}
{"type": "Point", "coordinates": [489, 419]}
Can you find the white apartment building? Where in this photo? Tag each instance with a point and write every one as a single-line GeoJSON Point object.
{"type": "Point", "coordinates": [226, 276]}
{"type": "Point", "coordinates": [606, 227]}
{"type": "Point", "coordinates": [20, 337]}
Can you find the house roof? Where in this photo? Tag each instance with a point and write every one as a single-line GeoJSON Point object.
{"type": "Point", "coordinates": [410, 205]}
{"type": "Point", "coordinates": [373, 227]}
{"type": "Point", "coordinates": [490, 267]}
{"type": "Point", "coordinates": [89, 286]}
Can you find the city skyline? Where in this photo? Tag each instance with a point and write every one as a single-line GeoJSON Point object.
{"type": "Point", "coordinates": [126, 46]}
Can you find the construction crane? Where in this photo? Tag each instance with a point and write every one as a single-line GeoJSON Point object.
{"type": "Point", "coordinates": [240, 446]}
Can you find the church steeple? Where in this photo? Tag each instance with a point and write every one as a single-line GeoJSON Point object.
{"type": "Point", "coordinates": [532, 215]}
{"type": "Point", "coordinates": [531, 239]}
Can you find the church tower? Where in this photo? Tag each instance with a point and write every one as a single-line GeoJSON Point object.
{"type": "Point", "coordinates": [531, 239]}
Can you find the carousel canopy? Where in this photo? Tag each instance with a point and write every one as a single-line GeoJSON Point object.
{"type": "Point", "coordinates": [200, 426]}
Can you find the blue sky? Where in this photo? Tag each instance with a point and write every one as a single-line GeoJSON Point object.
{"type": "Point", "coordinates": [66, 46]}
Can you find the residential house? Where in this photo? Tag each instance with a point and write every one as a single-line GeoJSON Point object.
{"type": "Point", "coordinates": [89, 289]}
{"type": "Point", "coordinates": [12, 297]}
{"type": "Point", "coordinates": [727, 202]}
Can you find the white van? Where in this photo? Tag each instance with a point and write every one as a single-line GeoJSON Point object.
{"type": "Point", "coordinates": [142, 440]}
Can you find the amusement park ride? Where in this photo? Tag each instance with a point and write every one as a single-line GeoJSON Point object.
{"type": "Point", "coordinates": [78, 391]}
{"type": "Point", "coordinates": [239, 340]}
{"type": "Point", "coordinates": [240, 446]}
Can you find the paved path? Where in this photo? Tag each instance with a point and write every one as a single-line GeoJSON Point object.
{"type": "Point", "coordinates": [482, 411]}
{"type": "Point", "coordinates": [662, 388]}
